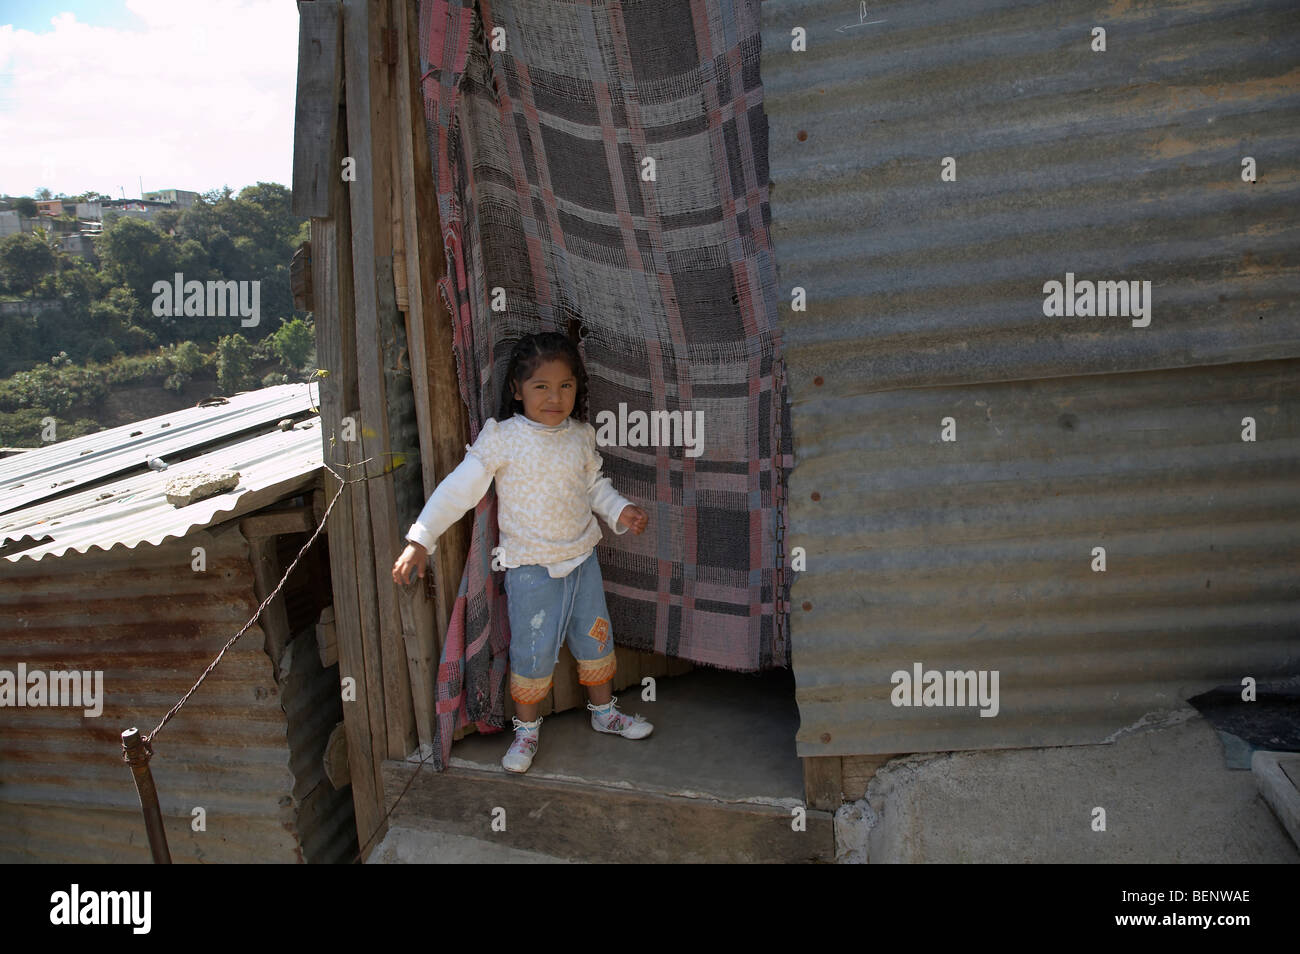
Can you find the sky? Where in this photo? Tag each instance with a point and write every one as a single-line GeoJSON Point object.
{"type": "Point", "coordinates": [184, 94]}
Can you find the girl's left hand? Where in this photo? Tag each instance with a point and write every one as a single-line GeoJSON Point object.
{"type": "Point", "coordinates": [634, 518]}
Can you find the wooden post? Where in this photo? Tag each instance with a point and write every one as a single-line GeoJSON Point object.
{"type": "Point", "coordinates": [823, 783]}
{"type": "Point", "coordinates": [320, 74]}
{"type": "Point", "coordinates": [371, 661]}
{"type": "Point", "coordinates": [315, 122]}
{"type": "Point", "coordinates": [858, 771]}
{"type": "Point", "coordinates": [369, 118]}
{"type": "Point", "coordinates": [420, 237]}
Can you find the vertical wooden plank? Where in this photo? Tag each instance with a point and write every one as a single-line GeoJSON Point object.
{"type": "Point", "coordinates": [400, 213]}
{"type": "Point", "coordinates": [364, 756]}
{"type": "Point", "coordinates": [429, 620]}
{"type": "Point", "coordinates": [266, 576]}
{"type": "Point", "coordinates": [372, 644]}
{"type": "Point", "coordinates": [331, 320]}
{"type": "Point", "coordinates": [369, 702]}
{"type": "Point", "coordinates": [444, 421]}
{"type": "Point", "coordinates": [416, 611]}
{"type": "Point", "coordinates": [363, 661]}
{"type": "Point", "coordinates": [823, 783]}
{"type": "Point", "coordinates": [370, 130]}
{"type": "Point", "coordinates": [332, 314]}
{"type": "Point", "coordinates": [315, 121]}
{"type": "Point", "coordinates": [413, 607]}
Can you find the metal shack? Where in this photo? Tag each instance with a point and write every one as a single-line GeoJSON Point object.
{"type": "Point", "coordinates": [1097, 503]}
{"type": "Point", "coordinates": [101, 577]}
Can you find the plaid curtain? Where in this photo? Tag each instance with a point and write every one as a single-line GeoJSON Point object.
{"type": "Point", "coordinates": [607, 163]}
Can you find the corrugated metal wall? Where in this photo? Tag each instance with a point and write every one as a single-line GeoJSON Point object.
{"type": "Point", "coordinates": [925, 301]}
{"type": "Point", "coordinates": [313, 706]}
{"type": "Point", "coordinates": [151, 624]}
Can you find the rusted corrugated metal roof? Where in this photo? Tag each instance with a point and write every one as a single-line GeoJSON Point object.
{"type": "Point", "coordinates": [133, 509]}
{"type": "Point", "coordinates": [926, 302]}
{"type": "Point", "coordinates": [150, 624]}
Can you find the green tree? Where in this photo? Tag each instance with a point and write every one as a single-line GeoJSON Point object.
{"type": "Point", "coordinates": [187, 357]}
{"type": "Point", "coordinates": [135, 254]}
{"type": "Point", "coordinates": [114, 313]}
{"type": "Point", "coordinates": [25, 206]}
{"type": "Point", "coordinates": [249, 237]}
{"type": "Point", "coordinates": [25, 258]}
{"type": "Point", "coordinates": [167, 219]}
{"type": "Point", "coordinates": [138, 340]}
{"type": "Point", "coordinates": [234, 364]}
{"type": "Point", "coordinates": [103, 350]}
{"type": "Point", "coordinates": [79, 283]}
{"type": "Point", "coordinates": [292, 342]}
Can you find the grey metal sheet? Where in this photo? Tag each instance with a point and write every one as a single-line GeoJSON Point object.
{"type": "Point", "coordinates": [135, 510]}
{"type": "Point", "coordinates": [925, 301]}
{"type": "Point", "coordinates": [67, 465]}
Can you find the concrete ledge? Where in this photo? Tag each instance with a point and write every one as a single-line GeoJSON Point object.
{"type": "Point", "coordinates": [1278, 777]}
{"type": "Point", "coordinates": [587, 822]}
{"type": "Point", "coordinates": [411, 846]}
{"type": "Point", "coordinates": [1162, 784]}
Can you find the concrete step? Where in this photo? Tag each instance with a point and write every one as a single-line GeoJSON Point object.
{"type": "Point", "coordinates": [718, 780]}
{"type": "Point", "coordinates": [1278, 777]}
{"type": "Point", "coordinates": [411, 846]}
{"type": "Point", "coordinates": [582, 820]}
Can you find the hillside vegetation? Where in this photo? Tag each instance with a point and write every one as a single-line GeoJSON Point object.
{"type": "Point", "coordinates": [95, 337]}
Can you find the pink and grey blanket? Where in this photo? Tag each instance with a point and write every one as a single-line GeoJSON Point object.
{"type": "Point", "coordinates": [606, 163]}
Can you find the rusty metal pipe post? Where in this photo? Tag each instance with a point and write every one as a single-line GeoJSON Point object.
{"type": "Point", "coordinates": [136, 752]}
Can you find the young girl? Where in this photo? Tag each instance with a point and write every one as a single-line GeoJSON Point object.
{"type": "Point", "coordinates": [542, 454]}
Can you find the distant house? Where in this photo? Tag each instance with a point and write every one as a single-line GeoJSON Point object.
{"type": "Point", "coordinates": [134, 208]}
{"type": "Point", "coordinates": [179, 198]}
{"type": "Point", "coordinates": [82, 243]}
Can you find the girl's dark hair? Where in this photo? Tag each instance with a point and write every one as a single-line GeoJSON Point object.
{"type": "Point", "coordinates": [530, 352]}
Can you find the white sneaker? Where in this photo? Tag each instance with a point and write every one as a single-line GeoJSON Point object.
{"type": "Point", "coordinates": [524, 747]}
{"type": "Point", "coordinates": [607, 718]}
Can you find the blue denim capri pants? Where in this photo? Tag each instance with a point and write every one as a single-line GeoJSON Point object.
{"type": "Point", "coordinates": [545, 613]}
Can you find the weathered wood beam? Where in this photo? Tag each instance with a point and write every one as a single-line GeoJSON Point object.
{"type": "Point", "coordinates": [823, 782]}
{"type": "Point", "coordinates": [370, 134]}
{"type": "Point", "coordinates": [333, 301]}
{"type": "Point", "coordinates": [366, 759]}
{"type": "Point", "coordinates": [266, 576]}
{"type": "Point", "coordinates": [295, 520]}
{"type": "Point", "coordinates": [315, 121]}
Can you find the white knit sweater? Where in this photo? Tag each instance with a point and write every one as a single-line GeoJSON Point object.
{"type": "Point", "coordinates": [548, 485]}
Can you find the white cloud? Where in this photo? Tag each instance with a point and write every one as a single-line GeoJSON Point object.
{"type": "Point", "coordinates": [201, 95]}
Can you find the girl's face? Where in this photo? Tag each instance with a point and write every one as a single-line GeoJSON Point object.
{"type": "Point", "coordinates": [548, 396]}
